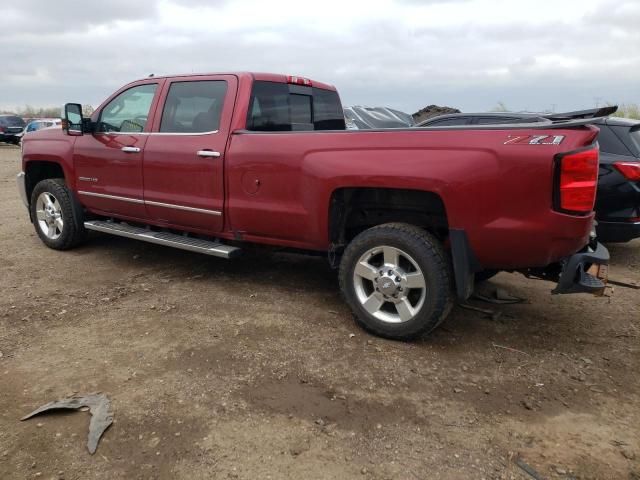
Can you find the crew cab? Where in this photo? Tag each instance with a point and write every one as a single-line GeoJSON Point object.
{"type": "Point", "coordinates": [211, 163]}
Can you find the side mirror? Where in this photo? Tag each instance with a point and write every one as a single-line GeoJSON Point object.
{"type": "Point", "coordinates": [73, 122]}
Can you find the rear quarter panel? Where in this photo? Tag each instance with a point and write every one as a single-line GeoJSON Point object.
{"type": "Point", "coordinates": [279, 186]}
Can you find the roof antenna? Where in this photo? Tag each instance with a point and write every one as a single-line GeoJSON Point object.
{"type": "Point", "coordinates": [150, 75]}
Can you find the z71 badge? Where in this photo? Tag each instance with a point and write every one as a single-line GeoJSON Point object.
{"type": "Point", "coordinates": [534, 140]}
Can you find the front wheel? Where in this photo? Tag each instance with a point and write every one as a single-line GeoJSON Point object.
{"type": "Point", "coordinates": [398, 281]}
{"type": "Point", "coordinates": [57, 218]}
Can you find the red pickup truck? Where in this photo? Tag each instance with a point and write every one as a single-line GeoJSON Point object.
{"type": "Point", "coordinates": [208, 163]}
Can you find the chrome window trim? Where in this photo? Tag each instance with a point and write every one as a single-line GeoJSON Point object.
{"type": "Point", "coordinates": [159, 133]}
{"type": "Point", "coordinates": [111, 197]}
{"type": "Point", "coordinates": [149, 202]}
{"type": "Point", "coordinates": [182, 207]}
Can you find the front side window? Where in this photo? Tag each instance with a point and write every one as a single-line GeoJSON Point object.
{"type": "Point", "coordinates": [129, 111]}
{"type": "Point", "coordinates": [193, 107]}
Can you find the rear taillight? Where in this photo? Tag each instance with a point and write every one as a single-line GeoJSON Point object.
{"type": "Point", "coordinates": [1, 129]}
{"type": "Point", "coordinates": [577, 181]}
{"type": "Point", "coordinates": [630, 170]}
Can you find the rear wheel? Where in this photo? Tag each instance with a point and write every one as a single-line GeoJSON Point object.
{"type": "Point", "coordinates": [57, 218]}
{"type": "Point", "coordinates": [397, 280]}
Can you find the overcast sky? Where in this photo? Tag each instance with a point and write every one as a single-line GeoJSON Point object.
{"type": "Point", "coordinates": [470, 54]}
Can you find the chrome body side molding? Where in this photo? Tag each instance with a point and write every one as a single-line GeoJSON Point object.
{"type": "Point", "coordinates": [149, 202]}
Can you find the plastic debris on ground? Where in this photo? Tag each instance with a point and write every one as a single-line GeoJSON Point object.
{"type": "Point", "coordinates": [99, 407]}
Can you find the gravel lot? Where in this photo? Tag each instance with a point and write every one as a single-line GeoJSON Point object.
{"type": "Point", "coordinates": [254, 369]}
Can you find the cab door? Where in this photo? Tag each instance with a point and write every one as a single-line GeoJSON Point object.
{"type": "Point", "coordinates": [184, 155]}
{"type": "Point", "coordinates": [108, 162]}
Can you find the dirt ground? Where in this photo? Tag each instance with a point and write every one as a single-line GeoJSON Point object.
{"type": "Point", "coordinates": [254, 369]}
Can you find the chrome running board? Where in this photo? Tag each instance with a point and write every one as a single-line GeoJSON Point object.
{"type": "Point", "coordinates": [182, 242]}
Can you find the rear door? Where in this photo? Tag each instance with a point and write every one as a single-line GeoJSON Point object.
{"type": "Point", "coordinates": [184, 155]}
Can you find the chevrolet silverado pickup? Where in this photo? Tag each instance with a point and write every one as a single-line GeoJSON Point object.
{"type": "Point", "coordinates": [213, 163]}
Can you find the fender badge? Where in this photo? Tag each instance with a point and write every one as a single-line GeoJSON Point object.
{"type": "Point", "coordinates": [534, 140]}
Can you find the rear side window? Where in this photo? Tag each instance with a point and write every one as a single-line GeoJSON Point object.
{"type": "Point", "coordinates": [610, 143]}
{"type": "Point", "coordinates": [283, 107]}
{"type": "Point", "coordinates": [193, 107]}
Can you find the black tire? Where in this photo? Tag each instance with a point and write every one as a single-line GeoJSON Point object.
{"type": "Point", "coordinates": [73, 231]}
{"type": "Point", "coordinates": [425, 251]}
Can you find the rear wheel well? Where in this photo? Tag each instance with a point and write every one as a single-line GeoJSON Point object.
{"type": "Point", "coordinates": [37, 171]}
{"type": "Point", "coordinates": [353, 210]}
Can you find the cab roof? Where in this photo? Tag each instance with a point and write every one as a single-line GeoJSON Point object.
{"type": "Point", "coordinates": [260, 76]}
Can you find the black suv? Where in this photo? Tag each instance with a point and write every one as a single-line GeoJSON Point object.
{"type": "Point", "coordinates": [10, 127]}
{"type": "Point", "coordinates": [618, 200]}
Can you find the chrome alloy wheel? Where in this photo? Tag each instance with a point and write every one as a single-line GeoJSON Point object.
{"type": "Point", "coordinates": [49, 215]}
{"type": "Point", "coordinates": [389, 284]}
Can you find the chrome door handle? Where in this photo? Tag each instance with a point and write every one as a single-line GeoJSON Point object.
{"type": "Point", "coordinates": [130, 149]}
{"type": "Point", "coordinates": [208, 153]}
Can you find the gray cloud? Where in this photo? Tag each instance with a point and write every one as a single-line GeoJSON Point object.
{"type": "Point", "coordinates": [34, 17]}
{"type": "Point", "coordinates": [401, 53]}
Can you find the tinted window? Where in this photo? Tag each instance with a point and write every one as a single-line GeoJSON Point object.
{"type": "Point", "coordinates": [327, 110]}
{"type": "Point", "coordinates": [445, 122]}
{"type": "Point", "coordinates": [269, 109]}
{"type": "Point", "coordinates": [300, 109]}
{"type": "Point", "coordinates": [610, 143]}
{"type": "Point", "coordinates": [283, 107]}
{"type": "Point", "coordinates": [193, 107]}
{"type": "Point", "coordinates": [629, 136]}
{"type": "Point", "coordinates": [129, 111]}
